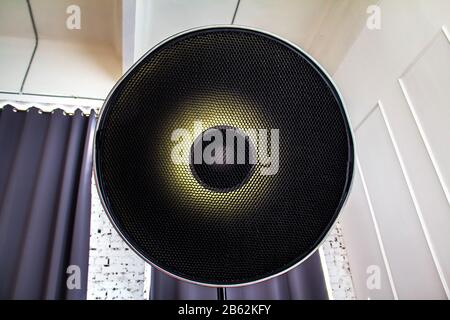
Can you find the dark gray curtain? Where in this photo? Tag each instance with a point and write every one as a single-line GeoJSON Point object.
{"type": "Point", "coordinates": [45, 194]}
{"type": "Point", "coordinates": [305, 282]}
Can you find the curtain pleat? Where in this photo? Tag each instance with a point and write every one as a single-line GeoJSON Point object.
{"type": "Point", "coordinates": [18, 196]}
{"type": "Point", "coordinates": [305, 282]}
{"type": "Point", "coordinates": [10, 127]}
{"type": "Point", "coordinates": [64, 212]}
{"type": "Point", "coordinates": [312, 279]}
{"type": "Point", "coordinates": [44, 163]}
{"type": "Point", "coordinates": [81, 225]}
{"type": "Point", "coordinates": [35, 249]}
{"type": "Point", "coordinates": [165, 287]}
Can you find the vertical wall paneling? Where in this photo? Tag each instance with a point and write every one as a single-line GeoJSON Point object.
{"type": "Point", "coordinates": [365, 244]}
{"type": "Point", "coordinates": [411, 262]}
{"type": "Point", "coordinates": [402, 145]}
{"type": "Point", "coordinates": [415, 201]}
{"type": "Point", "coordinates": [423, 85]}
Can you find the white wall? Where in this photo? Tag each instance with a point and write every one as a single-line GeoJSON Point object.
{"type": "Point", "coordinates": [324, 28]}
{"type": "Point", "coordinates": [396, 85]}
{"type": "Point", "coordinates": [16, 43]}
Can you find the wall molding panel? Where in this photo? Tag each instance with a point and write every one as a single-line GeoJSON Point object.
{"type": "Point", "coordinates": [377, 230]}
{"type": "Point", "coordinates": [403, 147]}
{"type": "Point", "coordinates": [444, 177]}
{"type": "Point", "coordinates": [414, 199]}
{"type": "Point", "coordinates": [409, 261]}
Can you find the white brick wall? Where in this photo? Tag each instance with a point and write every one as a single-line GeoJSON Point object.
{"type": "Point", "coordinates": [336, 259]}
{"type": "Point", "coordinates": [116, 272]}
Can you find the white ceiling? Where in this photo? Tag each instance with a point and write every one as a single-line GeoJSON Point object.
{"type": "Point", "coordinates": [87, 62]}
{"type": "Point", "coordinates": [75, 63]}
{"type": "Point", "coordinates": [324, 28]}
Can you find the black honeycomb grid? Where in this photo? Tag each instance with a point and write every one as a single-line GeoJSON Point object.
{"type": "Point", "coordinates": [224, 177]}
{"type": "Point", "coordinates": [236, 77]}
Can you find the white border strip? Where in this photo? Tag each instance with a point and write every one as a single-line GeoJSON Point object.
{"type": "Point", "coordinates": [49, 103]}
{"type": "Point", "coordinates": [147, 281]}
{"type": "Point", "coordinates": [446, 33]}
{"type": "Point", "coordinates": [326, 274]}
{"type": "Point", "coordinates": [46, 107]}
{"type": "Point", "coordinates": [415, 202]}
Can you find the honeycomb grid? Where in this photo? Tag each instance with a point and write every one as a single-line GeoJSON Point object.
{"type": "Point", "coordinates": [224, 77]}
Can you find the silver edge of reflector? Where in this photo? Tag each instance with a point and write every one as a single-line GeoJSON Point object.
{"type": "Point", "coordinates": [149, 52]}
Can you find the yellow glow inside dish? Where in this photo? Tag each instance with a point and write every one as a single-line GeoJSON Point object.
{"type": "Point", "coordinates": [238, 112]}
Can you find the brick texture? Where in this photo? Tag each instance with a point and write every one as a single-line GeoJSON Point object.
{"type": "Point", "coordinates": [115, 271]}
{"type": "Point", "coordinates": [336, 259]}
